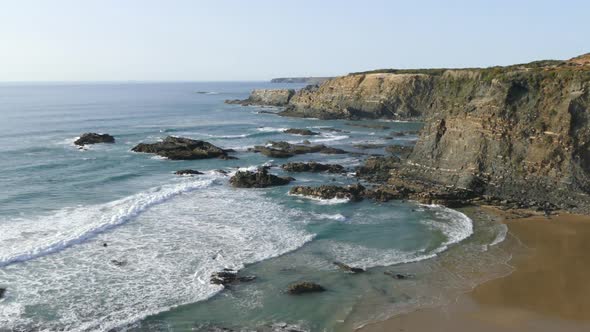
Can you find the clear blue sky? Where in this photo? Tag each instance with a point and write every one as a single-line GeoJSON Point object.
{"type": "Point", "coordinates": [259, 39]}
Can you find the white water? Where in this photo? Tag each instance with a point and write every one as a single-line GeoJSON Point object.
{"type": "Point", "coordinates": [169, 251]}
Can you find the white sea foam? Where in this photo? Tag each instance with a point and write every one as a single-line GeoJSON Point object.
{"type": "Point", "coordinates": [454, 225]}
{"type": "Point", "coordinates": [28, 239]}
{"type": "Point", "coordinates": [170, 251]}
{"type": "Point", "coordinates": [271, 129]}
{"type": "Point", "coordinates": [322, 201]}
{"type": "Point", "coordinates": [501, 235]}
{"type": "Point", "coordinates": [329, 138]}
{"type": "Point", "coordinates": [337, 216]}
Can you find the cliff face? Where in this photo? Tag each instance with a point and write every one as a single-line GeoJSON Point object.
{"type": "Point", "coordinates": [519, 136]}
{"type": "Point", "coordinates": [518, 133]}
{"type": "Point", "coordinates": [266, 97]}
{"type": "Point", "coordinates": [380, 95]}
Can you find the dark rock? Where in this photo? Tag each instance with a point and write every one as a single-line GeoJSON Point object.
{"type": "Point", "coordinates": [377, 168]}
{"type": "Point", "coordinates": [178, 148]}
{"type": "Point", "coordinates": [105, 245]}
{"type": "Point", "coordinates": [228, 276]}
{"type": "Point", "coordinates": [312, 167]}
{"type": "Point", "coordinates": [94, 138]}
{"type": "Point", "coordinates": [369, 125]}
{"type": "Point", "coordinates": [187, 172]}
{"type": "Point", "coordinates": [353, 192]}
{"type": "Point", "coordinates": [286, 150]}
{"type": "Point", "coordinates": [259, 179]}
{"type": "Point", "coordinates": [2, 292]}
{"type": "Point", "coordinates": [399, 276]}
{"type": "Point", "coordinates": [118, 262]}
{"type": "Point", "coordinates": [335, 130]}
{"type": "Point", "coordinates": [304, 287]}
{"type": "Point", "coordinates": [365, 146]}
{"type": "Point", "coordinates": [348, 268]}
{"type": "Point", "coordinates": [305, 132]}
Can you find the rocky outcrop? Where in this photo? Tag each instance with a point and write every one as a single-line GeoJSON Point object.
{"type": "Point", "coordinates": [286, 150]}
{"type": "Point", "coordinates": [354, 192]}
{"type": "Point", "coordinates": [229, 276]}
{"type": "Point", "coordinates": [349, 268]}
{"type": "Point", "coordinates": [266, 97]}
{"type": "Point", "coordinates": [304, 287]}
{"type": "Point", "coordinates": [94, 138]}
{"type": "Point", "coordinates": [178, 148]}
{"type": "Point", "coordinates": [259, 179]}
{"type": "Point", "coordinates": [312, 166]}
{"type": "Point", "coordinates": [188, 172]}
{"type": "Point", "coordinates": [304, 132]}
{"type": "Point", "coordinates": [377, 169]}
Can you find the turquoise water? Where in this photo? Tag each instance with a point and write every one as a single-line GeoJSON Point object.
{"type": "Point", "coordinates": [59, 205]}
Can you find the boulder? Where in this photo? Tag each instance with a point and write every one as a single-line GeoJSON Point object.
{"type": "Point", "coordinates": [286, 150]}
{"type": "Point", "coordinates": [187, 172]}
{"type": "Point", "coordinates": [179, 148]}
{"type": "Point", "coordinates": [348, 268]}
{"type": "Point", "coordinates": [354, 192]}
{"type": "Point", "coordinates": [312, 167]}
{"type": "Point", "coordinates": [400, 150]}
{"type": "Point", "coordinates": [304, 287]}
{"type": "Point", "coordinates": [2, 292]}
{"type": "Point", "coordinates": [228, 276]}
{"type": "Point", "coordinates": [305, 132]}
{"type": "Point", "coordinates": [94, 138]}
{"type": "Point", "coordinates": [259, 179]}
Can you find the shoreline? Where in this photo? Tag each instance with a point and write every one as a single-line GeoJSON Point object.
{"type": "Point", "coordinates": [547, 291]}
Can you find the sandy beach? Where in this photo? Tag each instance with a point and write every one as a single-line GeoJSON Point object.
{"type": "Point", "coordinates": [548, 291]}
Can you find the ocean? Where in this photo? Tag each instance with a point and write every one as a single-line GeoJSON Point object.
{"type": "Point", "coordinates": [166, 234]}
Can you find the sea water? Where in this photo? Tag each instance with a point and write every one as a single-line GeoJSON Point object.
{"type": "Point", "coordinates": [103, 238]}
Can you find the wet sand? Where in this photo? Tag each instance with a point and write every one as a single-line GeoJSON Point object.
{"type": "Point", "coordinates": [548, 291]}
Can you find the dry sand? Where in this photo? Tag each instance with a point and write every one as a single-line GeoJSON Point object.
{"type": "Point", "coordinates": [548, 291]}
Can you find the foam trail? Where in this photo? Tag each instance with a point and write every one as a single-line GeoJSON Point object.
{"type": "Point", "coordinates": [71, 227]}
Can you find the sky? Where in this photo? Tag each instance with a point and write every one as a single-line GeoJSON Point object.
{"type": "Point", "coordinates": [228, 40]}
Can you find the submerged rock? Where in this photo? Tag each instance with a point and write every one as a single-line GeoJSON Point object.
{"type": "Point", "coordinates": [348, 268]}
{"type": "Point", "coordinates": [312, 167]}
{"type": "Point", "coordinates": [118, 262]}
{"type": "Point", "coordinates": [2, 292]}
{"type": "Point", "coordinates": [304, 287]}
{"type": "Point", "coordinates": [228, 276]}
{"type": "Point", "coordinates": [188, 172]}
{"type": "Point", "coordinates": [354, 192]}
{"type": "Point", "coordinates": [286, 150]}
{"type": "Point", "coordinates": [94, 138]}
{"type": "Point", "coordinates": [399, 276]}
{"type": "Point", "coordinates": [305, 132]}
{"type": "Point", "coordinates": [179, 148]}
{"type": "Point", "coordinates": [259, 179]}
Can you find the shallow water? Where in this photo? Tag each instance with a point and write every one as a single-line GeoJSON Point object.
{"type": "Point", "coordinates": [60, 205]}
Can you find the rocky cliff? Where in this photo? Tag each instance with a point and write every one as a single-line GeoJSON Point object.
{"type": "Point", "coordinates": [305, 80]}
{"type": "Point", "coordinates": [519, 133]}
{"type": "Point", "coordinates": [266, 97]}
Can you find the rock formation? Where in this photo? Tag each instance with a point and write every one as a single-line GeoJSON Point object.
{"type": "Point", "coordinates": [266, 97]}
{"type": "Point", "coordinates": [312, 166]}
{"type": "Point", "coordinates": [305, 132]}
{"type": "Point", "coordinates": [178, 148]}
{"type": "Point", "coordinates": [286, 150]}
{"type": "Point", "coordinates": [188, 172]}
{"type": "Point", "coordinates": [94, 138]}
{"type": "Point", "coordinates": [259, 179]}
{"type": "Point", "coordinates": [353, 192]}
{"type": "Point", "coordinates": [304, 287]}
